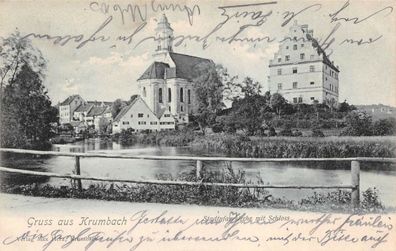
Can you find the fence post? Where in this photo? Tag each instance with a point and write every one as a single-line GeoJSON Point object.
{"type": "Point", "coordinates": [199, 169]}
{"type": "Point", "coordinates": [355, 175]}
{"type": "Point", "coordinates": [78, 172]}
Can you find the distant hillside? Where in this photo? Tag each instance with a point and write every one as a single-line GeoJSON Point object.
{"type": "Point", "coordinates": [379, 111]}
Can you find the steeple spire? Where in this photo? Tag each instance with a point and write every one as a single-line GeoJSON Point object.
{"type": "Point", "coordinates": [164, 35]}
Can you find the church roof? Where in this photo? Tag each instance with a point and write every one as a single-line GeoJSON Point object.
{"type": "Point", "coordinates": [84, 108]}
{"type": "Point", "coordinates": [96, 111]}
{"type": "Point", "coordinates": [185, 65]}
{"type": "Point", "coordinates": [155, 71]}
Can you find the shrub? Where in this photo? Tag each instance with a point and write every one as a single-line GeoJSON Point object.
{"type": "Point", "coordinates": [371, 200]}
{"type": "Point", "coordinates": [358, 124]}
{"type": "Point", "coordinates": [317, 133]}
{"type": "Point", "coordinates": [271, 132]}
{"type": "Point", "coordinates": [297, 133]}
{"type": "Point", "coordinates": [286, 132]}
{"type": "Point", "coordinates": [384, 127]}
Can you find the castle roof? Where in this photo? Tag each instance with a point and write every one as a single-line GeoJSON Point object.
{"type": "Point", "coordinates": [320, 50]}
{"type": "Point", "coordinates": [184, 67]}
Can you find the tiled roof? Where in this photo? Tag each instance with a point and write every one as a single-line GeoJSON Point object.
{"type": "Point", "coordinates": [69, 100]}
{"type": "Point", "coordinates": [124, 110]}
{"type": "Point", "coordinates": [96, 111]}
{"type": "Point", "coordinates": [84, 108]}
{"type": "Point", "coordinates": [326, 60]}
{"type": "Point", "coordinates": [185, 65]}
{"type": "Point", "coordinates": [184, 69]}
{"type": "Point", "coordinates": [155, 71]}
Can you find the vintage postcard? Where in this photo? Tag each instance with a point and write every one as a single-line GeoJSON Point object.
{"type": "Point", "coordinates": [197, 125]}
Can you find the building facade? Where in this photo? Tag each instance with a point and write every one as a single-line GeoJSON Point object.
{"type": "Point", "coordinates": [68, 107]}
{"type": "Point", "coordinates": [301, 71]}
{"type": "Point", "coordinates": [138, 116]}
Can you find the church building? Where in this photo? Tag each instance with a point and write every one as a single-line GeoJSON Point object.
{"type": "Point", "coordinates": [166, 86]}
{"type": "Point", "coordinates": [301, 71]}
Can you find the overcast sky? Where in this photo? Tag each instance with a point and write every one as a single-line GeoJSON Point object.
{"type": "Point", "coordinates": [108, 70]}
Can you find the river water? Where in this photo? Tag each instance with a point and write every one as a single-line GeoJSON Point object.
{"type": "Point", "coordinates": [381, 176]}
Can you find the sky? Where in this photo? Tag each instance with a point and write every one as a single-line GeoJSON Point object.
{"type": "Point", "coordinates": [107, 70]}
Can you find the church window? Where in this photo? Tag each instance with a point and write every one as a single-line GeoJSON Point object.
{"type": "Point", "coordinates": [294, 85]}
{"type": "Point", "coordinates": [181, 95]}
{"type": "Point", "coordinates": [144, 92]}
{"type": "Point", "coordinates": [294, 70]}
{"type": "Point", "coordinates": [160, 95]}
{"type": "Point", "coordinates": [300, 100]}
{"type": "Point", "coordinates": [189, 96]}
{"type": "Point", "coordinates": [312, 98]}
{"type": "Point", "coordinates": [311, 68]}
{"type": "Point", "coordinates": [181, 108]}
{"type": "Point", "coordinates": [169, 108]}
{"type": "Point", "coordinates": [279, 71]}
{"type": "Point", "coordinates": [169, 95]}
{"type": "Point", "coordinates": [125, 122]}
{"type": "Point", "coordinates": [294, 100]}
{"type": "Point", "coordinates": [140, 115]}
{"type": "Point", "coordinates": [295, 46]}
{"type": "Point", "coordinates": [302, 56]}
{"type": "Point", "coordinates": [287, 58]}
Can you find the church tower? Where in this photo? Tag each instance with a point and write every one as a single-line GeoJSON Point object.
{"type": "Point", "coordinates": [164, 38]}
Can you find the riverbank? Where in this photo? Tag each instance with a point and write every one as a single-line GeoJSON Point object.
{"type": "Point", "coordinates": [268, 147]}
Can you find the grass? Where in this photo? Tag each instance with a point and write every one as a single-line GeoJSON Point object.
{"type": "Point", "coordinates": [337, 201]}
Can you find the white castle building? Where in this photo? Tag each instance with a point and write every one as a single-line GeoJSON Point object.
{"type": "Point", "coordinates": [301, 71]}
{"type": "Point", "coordinates": [165, 88]}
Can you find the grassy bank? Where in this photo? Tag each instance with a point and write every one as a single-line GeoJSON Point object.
{"type": "Point", "coordinates": [296, 147]}
{"type": "Point", "coordinates": [268, 147]}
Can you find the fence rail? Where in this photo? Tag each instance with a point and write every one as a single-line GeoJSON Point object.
{"type": "Point", "coordinates": [77, 177]}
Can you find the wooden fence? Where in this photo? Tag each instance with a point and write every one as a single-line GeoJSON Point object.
{"type": "Point", "coordinates": [355, 170]}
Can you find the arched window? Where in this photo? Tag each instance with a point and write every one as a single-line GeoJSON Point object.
{"type": "Point", "coordinates": [181, 95]}
{"type": "Point", "coordinates": [160, 95]}
{"type": "Point", "coordinates": [169, 95]}
{"type": "Point", "coordinates": [144, 92]}
{"type": "Point", "coordinates": [189, 96]}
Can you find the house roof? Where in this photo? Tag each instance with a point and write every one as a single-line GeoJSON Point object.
{"type": "Point", "coordinates": [96, 111]}
{"type": "Point", "coordinates": [185, 65]}
{"type": "Point", "coordinates": [124, 110]}
{"type": "Point", "coordinates": [84, 108]}
{"type": "Point", "coordinates": [99, 103]}
{"type": "Point", "coordinates": [320, 50]}
{"type": "Point", "coordinates": [69, 100]}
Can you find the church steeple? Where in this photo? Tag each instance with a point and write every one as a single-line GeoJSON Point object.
{"type": "Point", "coordinates": [164, 35]}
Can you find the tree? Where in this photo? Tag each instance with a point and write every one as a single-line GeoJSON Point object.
{"type": "Point", "coordinates": [26, 111]}
{"type": "Point", "coordinates": [117, 106]}
{"type": "Point", "coordinates": [16, 52]}
{"type": "Point", "coordinates": [277, 102]}
{"type": "Point", "coordinates": [249, 113]}
{"type": "Point", "coordinates": [358, 124]}
{"type": "Point", "coordinates": [249, 87]}
{"type": "Point", "coordinates": [384, 127]}
{"type": "Point", "coordinates": [208, 94]}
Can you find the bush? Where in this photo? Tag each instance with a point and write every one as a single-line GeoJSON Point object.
{"type": "Point", "coordinates": [384, 127]}
{"type": "Point", "coordinates": [371, 200]}
{"type": "Point", "coordinates": [297, 133]}
{"type": "Point", "coordinates": [286, 132]}
{"type": "Point", "coordinates": [358, 124]}
{"type": "Point", "coordinates": [271, 132]}
{"type": "Point", "coordinates": [317, 133]}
